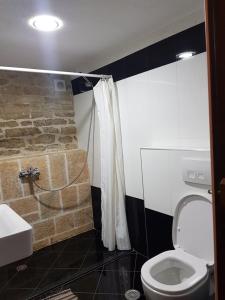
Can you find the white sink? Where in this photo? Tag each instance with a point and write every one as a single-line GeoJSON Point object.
{"type": "Point", "coordinates": [15, 236]}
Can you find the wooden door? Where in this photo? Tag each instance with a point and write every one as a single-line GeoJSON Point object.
{"type": "Point", "coordinates": [215, 37]}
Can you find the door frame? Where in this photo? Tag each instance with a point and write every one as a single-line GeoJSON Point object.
{"type": "Point", "coordinates": [215, 45]}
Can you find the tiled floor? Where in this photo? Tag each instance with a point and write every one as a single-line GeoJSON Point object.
{"type": "Point", "coordinates": [110, 281]}
{"type": "Point", "coordinates": [55, 264]}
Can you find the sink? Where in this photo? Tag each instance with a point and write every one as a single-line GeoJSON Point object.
{"type": "Point", "coordinates": [15, 236]}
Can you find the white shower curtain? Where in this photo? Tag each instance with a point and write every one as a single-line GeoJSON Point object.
{"type": "Point", "coordinates": [114, 222]}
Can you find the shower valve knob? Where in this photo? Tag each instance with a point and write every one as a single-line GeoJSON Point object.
{"type": "Point", "coordinates": [31, 172]}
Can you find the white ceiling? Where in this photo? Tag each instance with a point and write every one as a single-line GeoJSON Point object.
{"type": "Point", "coordinates": [96, 32]}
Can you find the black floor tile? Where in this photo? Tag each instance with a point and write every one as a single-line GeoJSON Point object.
{"type": "Point", "coordinates": [127, 263]}
{"type": "Point", "coordinates": [56, 276]}
{"type": "Point", "coordinates": [86, 284]}
{"type": "Point", "coordinates": [118, 282]}
{"type": "Point", "coordinates": [85, 296]}
{"type": "Point", "coordinates": [42, 259]}
{"type": "Point", "coordinates": [97, 245]}
{"type": "Point", "coordinates": [16, 294]}
{"type": "Point", "coordinates": [108, 297]}
{"type": "Point", "coordinates": [92, 234]}
{"type": "Point", "coordinates": [6, 274]}
{"type": "Point", "coordinates": [56, 264]}
{"type": "Point", "coordinates": [96, 258]}
{"type": "Point", "coordinates": [81, 244]}
{"type": "Point", "coordinates": [115, 282]}
{"type": "Point", "coordinates": [69, 260]}
{"type": "Point", "coordinates": [27, 279]}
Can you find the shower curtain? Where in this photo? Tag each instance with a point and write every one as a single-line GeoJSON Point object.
{"type": "Point", "coordinates": [114, 222]}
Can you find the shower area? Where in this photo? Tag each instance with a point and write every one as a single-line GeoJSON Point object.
{"type": "Point", "coordinates": [45, 179]}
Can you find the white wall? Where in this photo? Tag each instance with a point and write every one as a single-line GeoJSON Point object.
{"type": "Point", "coordinates": [163, 181]}
{"type": "Point", "coordinates": [167, 106]}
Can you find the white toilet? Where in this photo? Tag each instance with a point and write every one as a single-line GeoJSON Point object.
{"type": "Point", "coordinates": [184, 273]}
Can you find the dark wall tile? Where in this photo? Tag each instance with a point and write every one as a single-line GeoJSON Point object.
{"type": "Point", "coordinates": [136, 223]}
{"type": "Point", "coordinates": [159, 232]}
{"type": "Point", "coordinates": [96, 204]}
{"type": "Point", "coordinates": [153, 56]}
{"type": "Point", "coordinates": [158, 225]}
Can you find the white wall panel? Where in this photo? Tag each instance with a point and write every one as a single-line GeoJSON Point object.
{"type": "Point", "coordinates": [162, 178]}
{"type": "Point", "coordinates": [167, 106]}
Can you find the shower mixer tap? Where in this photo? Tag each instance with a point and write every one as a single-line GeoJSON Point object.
{"type": "Point", "coordinates": [29, 173]}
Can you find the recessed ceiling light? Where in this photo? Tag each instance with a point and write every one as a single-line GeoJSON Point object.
{"type": "Point", "coordinates": [45, 23]}
{"type": "Point", "coordinates": [186, 54]}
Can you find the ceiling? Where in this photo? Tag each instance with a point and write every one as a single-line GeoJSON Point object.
{"type": "Point", "coordinates": [95, 32]}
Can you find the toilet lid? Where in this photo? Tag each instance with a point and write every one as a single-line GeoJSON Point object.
{"type": "Point", "coordinates": [193, 227]}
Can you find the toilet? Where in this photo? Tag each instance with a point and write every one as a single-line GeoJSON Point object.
{"type": "Point", "coordinates": [186, 272]}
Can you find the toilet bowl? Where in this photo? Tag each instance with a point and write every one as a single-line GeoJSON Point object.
{"type": "Point", "coordinates": [184, 273]}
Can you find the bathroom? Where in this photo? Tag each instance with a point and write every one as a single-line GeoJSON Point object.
{"type": "Point", "coordinates": [106, 188]}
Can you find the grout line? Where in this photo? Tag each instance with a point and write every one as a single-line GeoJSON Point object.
{"type": "Point", "coordinates": [50, 268]}
{"type": "Point", "coordinates": [100, 277]}
{"type": "Point", "coordinates": [86, 254]}
{"type": "Point", "coordinates": [66, 168]}
{"type": "Point", "coordinates": [47, 161]}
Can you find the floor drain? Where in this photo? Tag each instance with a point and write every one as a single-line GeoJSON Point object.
{"type": "Point", "coordinates": [132, 295]}
{"type": "Point", "coordinates": [21, 268]}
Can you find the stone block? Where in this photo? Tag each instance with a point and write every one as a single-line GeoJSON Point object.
{"type": "Point", "coordinates": [8, 124]}
{"type": "Point", "coordinates": [7, 115]}
{"type": "Point", "coordinates": [68, 130]}
{"type": "Point", "coordinates": [71, 146]}
{"type": "Point", "coordinates": [44, 139]}
{"type": "Point", "coordinates": [12, 143]}
{"type": "Point", "coordinates": [64, 223]}
{"type": "Point", "coordinates": [4, 81]}
{"type": "Point", "coordinates": [83, 216]}
{"type": "Point", "coordinates": [57, 169]}
{"type": "Point", "coordinates": [65, 235]}
{"type": "Point", "coordinates": [44, 229]}
{"type": "Point", "coordinates": [26, 123]}
{"type": "Point", "coordinates": [70, 233]}
{"type": "Point", "coordinates": [31, 218]}
{"type": "Point", "coordinates": [34, 148]}
{"type": "Point", "coordinates": [49, 122]}
{"type": "Point", "coordinates": [37, 90]}
{"type": "Point", "coordinates": [64, 114]}
{"type": "Point", "coordinates": [71, 121]}
{"type": "Point", "coordinates": [65, 139]}
{"type": "Point", "coordinates": [50, 130]}
{"type": "Point", "coordinates": [41, 244]}
{"type": "Point", "coordinates": [69, 197]}
{"type": "Point", "coordinates": [84, 191]}
{"type": "Point", "coordinates": [18, 132]}
{"type": "Point", "coordinates": [75, 162]}
{"type": "Point", "coordinates": [9, 152]}
{"type": "Point", "coordinates": [25, 205]}
{"type": "Point", "coordinates": [39, 162]}
{"type": "Point", "coordinates": [11, 188]}
{"type": "Point", "coordinates": [49, 204]}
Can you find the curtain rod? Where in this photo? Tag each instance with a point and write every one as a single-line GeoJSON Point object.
{"type": "Point", "coordinates": [53, 72]}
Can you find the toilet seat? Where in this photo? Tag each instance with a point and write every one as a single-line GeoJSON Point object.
{"type": "Point", "coordinates": [187, 262]}
{"type": "Point", "coordinates": [184, 273]}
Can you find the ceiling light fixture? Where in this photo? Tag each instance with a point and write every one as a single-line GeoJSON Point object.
{"type": "Point", "coordinates": [45, 23]}
{"type": "Point", "coordinates": [185, 55]}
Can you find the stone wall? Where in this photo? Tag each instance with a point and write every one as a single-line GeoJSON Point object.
{"type": "Point", "coordinates": [37, 129]}
{"type": "Point", "coordinates": [33, 115]}
{"type": "Point", "coordinates": [54, 215]}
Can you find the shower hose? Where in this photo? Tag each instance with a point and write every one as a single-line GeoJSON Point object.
{"type": "Point", "coordinates": [86, 158]}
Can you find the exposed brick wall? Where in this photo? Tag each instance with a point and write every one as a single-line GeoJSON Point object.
{"type": "Point", "coordinates": [37, 129]}
{"type": "Point", "coordinates": [33, 116]}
